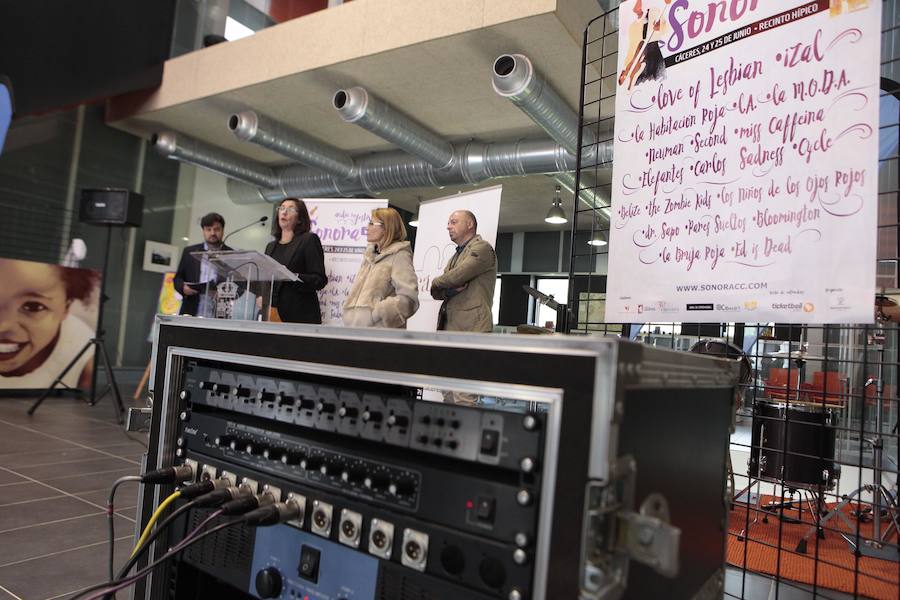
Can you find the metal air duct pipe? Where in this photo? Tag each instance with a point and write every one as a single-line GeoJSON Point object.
{"type": "Point", "coordinates": [358, 106]}
{"type": "Point", "coordinates": [189, 150]}
{"type": "Point", "coordinates": [473, 163]}
{"type": "Point", "coordinates": [589, 196]}
{"type": "Point", "coordinates": [295, 181]}
{"type": "Point", "coordinates": [250, 126]}
{"type": "Point", "coordinates": [526, 157]}
{"type": "Point", "coordinates": [243, 193]}
{"type": "Point", "coordinates": [514, 77]}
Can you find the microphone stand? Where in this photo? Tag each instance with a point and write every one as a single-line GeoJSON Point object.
{"type": "Point", "coordinates": [261, 221]}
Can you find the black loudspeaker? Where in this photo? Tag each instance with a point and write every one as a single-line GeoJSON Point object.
{"type": "Point", "coordinates": [111, 207]}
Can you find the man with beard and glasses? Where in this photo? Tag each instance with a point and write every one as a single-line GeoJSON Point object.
{"type": "Point", "coordinates": [193, 274]}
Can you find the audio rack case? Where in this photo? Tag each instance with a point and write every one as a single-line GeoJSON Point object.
{"type": "Point", "coordinates": [627, 492]}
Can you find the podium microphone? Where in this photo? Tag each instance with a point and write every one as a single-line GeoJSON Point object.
{"type": "Point", "coordinates": [261, 221]}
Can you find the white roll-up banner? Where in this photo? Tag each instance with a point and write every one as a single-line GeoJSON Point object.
{"type": "Point", "coordinates": [433, 246]}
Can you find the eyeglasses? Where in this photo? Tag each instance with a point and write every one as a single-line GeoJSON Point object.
{"type": "Point", "coordinates": [287, 209]}
{"type": "Point", "coordinates": [375, 224]}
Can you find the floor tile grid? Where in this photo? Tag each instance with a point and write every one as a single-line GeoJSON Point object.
{"type": "Point", "coordinates": [64, 493]}
{"type": "Point", "coordinates": [91, 437]}
{"type": "Point", "coordinates": [5, 594]}
{"type": "Point", "coordinates": [96, 496]}
{"type": "Point", "coordinates": [68, 441]}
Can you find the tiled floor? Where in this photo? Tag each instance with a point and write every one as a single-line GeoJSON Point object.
{"type": "Point", "coordinates": [55, 472]}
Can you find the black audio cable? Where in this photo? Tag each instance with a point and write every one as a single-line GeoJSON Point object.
{"type": "Point", "coordinates": [173, 474]}
{"type": "Point", "coordinates": [220, 496]}
{"type": "Point", "coordinates": [270, 514]}
{"type": "Point", "coordinates": [212, 498]}
{"type": "Point", "coordinates": [273, 514]}
{"type": "Point", "coordinates": [189, 492]}
{"type": "Point", "coordinates": [108, 588]}
{"type": "Point", "coordinates": [244, 504]}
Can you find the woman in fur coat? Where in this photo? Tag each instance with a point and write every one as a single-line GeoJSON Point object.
{"type": "Point", "coordinates": [385, 292]}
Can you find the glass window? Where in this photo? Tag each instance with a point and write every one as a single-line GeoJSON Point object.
{"type": "Point", "coordinates": [540, 252]}
{"type": "Point", "coordinates": [198, 24]}
{"type": "Point", "coordinates": [552, 286]}
{"type": "Point", "coordinates": [235, 30]}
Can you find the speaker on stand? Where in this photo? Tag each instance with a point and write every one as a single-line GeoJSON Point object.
{"type": "Point", "coordinates": [108, 207]}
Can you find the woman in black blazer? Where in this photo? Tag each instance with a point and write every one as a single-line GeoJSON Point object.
{"type": "Point", "coordinates": [300, 250]}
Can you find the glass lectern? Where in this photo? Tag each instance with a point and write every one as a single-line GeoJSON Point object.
{"type": "Point", "coordinates": [242, 288]}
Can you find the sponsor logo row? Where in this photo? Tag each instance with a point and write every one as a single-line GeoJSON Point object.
{"type": "Point", "coordinates": [751, 305]}
{"type": "Point", "coordinates": [748, 306]}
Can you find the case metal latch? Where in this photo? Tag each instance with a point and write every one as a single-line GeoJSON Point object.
{"type": "Point", "coordinates": [648, 537]}
{"type": "Point", "coordinates": [138, 419]}
{"type": "Point", "coordinates": [615, 534]}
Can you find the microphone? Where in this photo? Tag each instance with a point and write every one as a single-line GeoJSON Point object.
{"type": "Point", "coordinates": [261, 221]}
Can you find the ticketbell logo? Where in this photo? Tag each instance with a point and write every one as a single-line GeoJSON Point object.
{"type": "Point", "coordinates": [786, 306]}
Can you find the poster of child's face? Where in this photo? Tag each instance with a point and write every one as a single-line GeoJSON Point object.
{"type": "Point", "coordinates": [47, 315]}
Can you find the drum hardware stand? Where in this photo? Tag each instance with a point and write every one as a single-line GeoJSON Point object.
{"type": "Point", "coordinates": [98, 343]}
{"type": "Point", "coordinates": [820, 515]}
{"type": "Point", "coordinates": [877, 546]}
{"type": "Point", "coordinates": [868, 547]}
{"type": "Point", "coordinates": [779, 508]}
{"type": "Point", "coordinates": [807, 494]}
{"type": "Point", "coordinates": [758, 483]}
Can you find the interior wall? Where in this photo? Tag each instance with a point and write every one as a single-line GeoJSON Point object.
{"type": "Point", "coordinates": [209, 195]}
{"type": "Point", "coordinates": [46, 162]}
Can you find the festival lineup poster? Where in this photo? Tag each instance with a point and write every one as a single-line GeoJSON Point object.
{"type": "Point", "coordinates": [341, 225]}
{"type": "Point", "coordinates": [746, 155]}
{"type": "Point", "coordinates": [434, 249]}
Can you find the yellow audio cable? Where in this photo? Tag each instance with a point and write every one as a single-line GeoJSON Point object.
{"type": "Point", "coordinates": [157, 513]}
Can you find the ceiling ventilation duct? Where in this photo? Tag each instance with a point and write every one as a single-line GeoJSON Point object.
{"type": "Point", "coordinates": [356, 105]}
{"type": "Point", "coordinates": [189, 150]}
{"type": "Point", "coordinates": [249, 126]}
{"type": "Point", "coordinates": [426, 160]}
{"type": "Point", "coordinates": [588, 196]}
{"type": "Point", "coordinates": [474, 162]}
{"type": "Point", "coordinates": [514, 77]}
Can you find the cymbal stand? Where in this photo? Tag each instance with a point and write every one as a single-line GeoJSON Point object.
{"type": "Point", "coordinates": [877, 546]}
{"type": "Point", "coordinates": [800, 361]}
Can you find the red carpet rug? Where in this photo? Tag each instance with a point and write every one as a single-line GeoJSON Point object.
{"type": "Point", "coordinates": [835, 568]}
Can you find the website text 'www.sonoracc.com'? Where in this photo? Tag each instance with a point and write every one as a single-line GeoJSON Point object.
{"type": "Point", "coordinates": [721, 287]}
